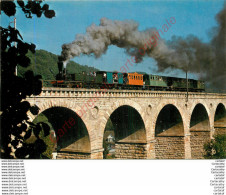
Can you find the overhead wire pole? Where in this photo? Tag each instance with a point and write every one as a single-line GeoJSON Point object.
{"type": "Point", "coordinates": [187, 84]}
{"type": "Point", "coordinates": [14, 22]}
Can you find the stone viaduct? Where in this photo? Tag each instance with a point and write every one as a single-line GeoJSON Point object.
{"type": "Point", "coordinates": [147, 124]}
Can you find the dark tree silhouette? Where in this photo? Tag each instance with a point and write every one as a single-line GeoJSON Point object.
{"type": "Point", "coordinates": [14, 89]}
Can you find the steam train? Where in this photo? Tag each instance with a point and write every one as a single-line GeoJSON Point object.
{"type": "Point", "coordinates": [129, 81]}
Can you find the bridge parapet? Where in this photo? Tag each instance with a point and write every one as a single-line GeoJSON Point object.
{"type": "Point", "coordinates": [107, 93]}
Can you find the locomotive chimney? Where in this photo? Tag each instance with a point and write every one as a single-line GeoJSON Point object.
{"type": "Point", "coordinates": [62, 68]}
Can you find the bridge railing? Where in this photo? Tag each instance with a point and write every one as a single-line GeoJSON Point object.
{"type": "Point", "coordinates": [87, 93]}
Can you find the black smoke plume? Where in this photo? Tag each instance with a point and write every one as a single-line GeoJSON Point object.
{"type": "Point", "coordinates": [207, 60]}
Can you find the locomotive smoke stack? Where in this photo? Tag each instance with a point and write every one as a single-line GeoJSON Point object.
{"type": "Point", "coordinates": [60, 67]}
{"type": "Point", "coordinates": [65, 64]}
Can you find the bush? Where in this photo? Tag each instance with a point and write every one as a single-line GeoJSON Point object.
{"type": "Point", "coordinates": [215, 149]}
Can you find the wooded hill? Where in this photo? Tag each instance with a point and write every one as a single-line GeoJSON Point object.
{"type": "Point", "coordinates": [44, 63]}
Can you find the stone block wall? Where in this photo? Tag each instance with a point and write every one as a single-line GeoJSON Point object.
{"type": "Point", "coordinates": [130, 150]}
{"type": "Point", "coordinates": [198, 139]}
{"type": "Point", "coordinates": [72, 155]}
{"type": "Point", "coordinates": [169, 147]}
{"type": "Point", "coordinates": [220, 131]}
{"type": "Point", "coordinates": [97, 155]}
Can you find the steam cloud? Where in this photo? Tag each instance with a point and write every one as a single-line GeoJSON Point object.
{"type": "Point", "coordinates": [206, 59]}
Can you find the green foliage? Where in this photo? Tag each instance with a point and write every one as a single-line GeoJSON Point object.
{"type": "Point", "coordinates": [29, 8]}
{"type": "Point", "coordinates": [50, 145]}
{"type": "Point", "coordinates": [109, 125]}
{"type": "Point", "coordinates": [216, 148]}
{"type": "Point", "coordinates": [111, 156]}
{"type": "Point", "coordinates": [44, 63]}
{"type": "Point", "coordinates": [15, 89]}
{"type": "Point", "coordinates": [106, 151]}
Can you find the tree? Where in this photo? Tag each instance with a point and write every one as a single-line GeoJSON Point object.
{"type": "Point", "coordinates": [14, 108]}
{"type": "Point", "coordinates": [106, 151]}
{"type": "Point", "coordinates": [216, 148]}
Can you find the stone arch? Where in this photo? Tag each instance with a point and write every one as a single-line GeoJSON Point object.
{"type": "Point", "coordinates": [161, 106]}
{"type": "Point", "coordinates": [130, 135]}
{"type": "Point", "coordinates": [169, 133]}
{"type": "Point", "coordinates": [220, 119]}
{"type": "Point", "coordinates": [196, 118]}
{"type": "Point", "coordinates": [199, 129]}
{"type": "Point", "coordinates": [118, 104]}
{"type": "Point", "coordinates": [43, 106]}
{"type": "Point", "coordinates": [204, 104]}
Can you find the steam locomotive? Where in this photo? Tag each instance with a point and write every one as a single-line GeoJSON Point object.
{"type": "Point", "coordinates": [129, 81]}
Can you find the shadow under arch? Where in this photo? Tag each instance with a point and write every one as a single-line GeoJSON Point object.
{"type": "Point", "coordinates": [169, 134]}
{"type": "Point", "coordinates": [200, 131]}
{"type": "Point", "coordinates": [220, 119]}
{"type": "Point", "coordinates": [129, 134]}
{"type": "Point", "coordinates": [68, 133]}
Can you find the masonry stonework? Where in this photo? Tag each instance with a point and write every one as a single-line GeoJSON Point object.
{"type": "Point", "coordinates": [130, 151]}
{"type": "Point", "coordinates": [170, 148]}
{"type": "Point", "coordinates": [220, 131]}
{"type": "Point", "coordinates": [72, 155]}
{"type": "Point", "coordinates": [98, 106]}
{"type": "Point", "coordinates": [198, 139]}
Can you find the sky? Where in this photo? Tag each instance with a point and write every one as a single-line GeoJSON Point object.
{"type": "Point", "coordinates": [73, 17]}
